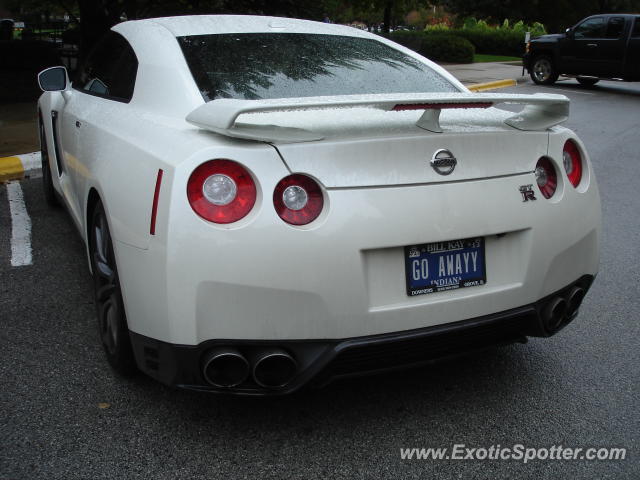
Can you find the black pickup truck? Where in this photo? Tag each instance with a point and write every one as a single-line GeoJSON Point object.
{"type": "Point", "coordinates": [600, 46]}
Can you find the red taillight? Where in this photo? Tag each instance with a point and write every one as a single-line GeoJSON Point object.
{"type": "Point", "coordinates": [221, 191]}
{"type": "Point", "coordinates": [154, 205]}
{"type": "Point", "coordinates": [298, 199]}
{"type": "Point", "coordinates": [546, 177]}
{"type": "Point", "coordinates": [572, 161]}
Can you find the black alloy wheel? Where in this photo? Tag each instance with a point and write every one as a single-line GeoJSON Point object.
{"type": "Point", "coordinates": [543, 71]}
{"type": "Point", "coordinates": [112, 322]}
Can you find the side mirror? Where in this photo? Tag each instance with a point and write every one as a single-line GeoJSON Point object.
{"type": "Point", "coordinates": [569, 32]}
{"type": "Point", "coordinates": [54, 79]}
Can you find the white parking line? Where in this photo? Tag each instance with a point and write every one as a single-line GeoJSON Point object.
{"type": "Point", "coordinates": [570, 91]}
{"type": "Point", "coordinates": [20, 227]}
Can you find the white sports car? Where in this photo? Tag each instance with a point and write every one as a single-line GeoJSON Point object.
{"type": "Point", "coordinates": [270, 202]}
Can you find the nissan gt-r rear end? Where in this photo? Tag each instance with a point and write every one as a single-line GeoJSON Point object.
{"type": "Point", "coordinates": [337, 205]}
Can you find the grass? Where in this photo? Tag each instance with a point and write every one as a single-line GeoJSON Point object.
{"type": "Point", "coordinates": [478, 58]}
{"type": "Point", "coordinates": [17, 34]}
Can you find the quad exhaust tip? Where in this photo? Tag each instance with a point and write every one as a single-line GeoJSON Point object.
{"type": "Point", "coordinates": [225, 367]}
{"type": "Point", "coordinates": [574, 299]}
{"type": "Point", "coordinates": [274, 368]}
{"type": "Point", "coordinates": [554, 314]}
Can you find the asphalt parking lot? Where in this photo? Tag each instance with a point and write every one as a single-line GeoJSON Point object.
{"type": "Point", "coordinates": [66, 415]}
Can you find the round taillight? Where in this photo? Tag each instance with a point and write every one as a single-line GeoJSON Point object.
{"type": "Point", "coordinates": [298, 199]}
{"type": "Point", "coordinates": [572, 162]}
{"type": "Point", "coordinates": [546, 177]}
{"type": "Point", "coordinates": [221, 191]}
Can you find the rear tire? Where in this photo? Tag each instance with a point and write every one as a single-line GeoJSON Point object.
{"type": "Point", "coordinates": [543, 71]}
{"type": "Point", "coordinates": [50, 194]}
{"type": "Point", "coordinates": [587, 82]}
{"type": "Point", "coordinates": [112, 322]}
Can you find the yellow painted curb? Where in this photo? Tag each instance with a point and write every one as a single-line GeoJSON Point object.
{"type": "Point", "coordinates": [10, 168]}
{"type": "Point", "coordinates": [480, 87]}
{"type": "Point", "coordinates": [13, 168]}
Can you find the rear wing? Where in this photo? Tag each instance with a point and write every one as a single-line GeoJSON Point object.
{"type": "Point", "coordinates": [541, 111]}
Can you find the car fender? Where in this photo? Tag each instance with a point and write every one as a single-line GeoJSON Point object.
{"type": "Point", "coordinates": [125, 184]}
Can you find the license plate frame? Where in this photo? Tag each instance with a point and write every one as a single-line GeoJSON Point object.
{"type": "Point", "coordinates": [455, 258]}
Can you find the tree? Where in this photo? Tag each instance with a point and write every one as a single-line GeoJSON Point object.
{"type": "Point", "coordinates": [555, 14]}
{"type": "Point", "coordinates": [96, 17]}
{"type": "Point", "coordinates": [375, 11]}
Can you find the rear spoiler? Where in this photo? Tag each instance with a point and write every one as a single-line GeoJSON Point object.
{"type": "Point", "coordinates": [541, 111]}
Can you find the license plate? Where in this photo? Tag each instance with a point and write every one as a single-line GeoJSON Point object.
{"type": "Point", "coordinates": [439, 266]}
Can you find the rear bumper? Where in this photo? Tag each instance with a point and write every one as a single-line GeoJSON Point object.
{"type": "Point", "coordinates": [321, 361]}
{"type": "Point", "coordinates": [345, 277]}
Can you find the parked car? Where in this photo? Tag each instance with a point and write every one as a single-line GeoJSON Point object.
{"type": "Point", "coordinates": [598, 47]}
{"type": "Point", "coordinates": [269, 202]}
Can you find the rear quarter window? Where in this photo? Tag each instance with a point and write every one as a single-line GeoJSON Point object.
{"type": "Point", "coordinates": [110, 70]}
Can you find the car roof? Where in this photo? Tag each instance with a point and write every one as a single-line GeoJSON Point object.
{"type": "Point", "coordinates": [626, 15]}
{"type": "Point", "coordinates": [187, 25]}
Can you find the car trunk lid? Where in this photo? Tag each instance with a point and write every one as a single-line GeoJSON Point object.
{"type": "Point", "coordinates": [415, 159]}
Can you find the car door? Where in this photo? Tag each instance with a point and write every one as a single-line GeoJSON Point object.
{"type": "Point", "coordinates": [632, 59]}
{"type": "Point", "coordinates": [611, 48]}
{"type": "Point", "coordinates": [65, 144]}
{"type": "Point", "coordinates": [579, 51]}
{"type": "Point", "coordinates": [64, 120]}
{"type": "Point", "coordinates": [101, 93]}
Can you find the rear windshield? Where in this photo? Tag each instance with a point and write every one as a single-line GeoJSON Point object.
{"type": "Point", "coordinates": [285, 65]}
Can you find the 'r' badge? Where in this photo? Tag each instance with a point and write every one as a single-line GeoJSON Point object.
{"type": "Point", "coordinates": [527, 193]}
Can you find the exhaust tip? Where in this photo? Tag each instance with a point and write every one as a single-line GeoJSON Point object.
{"type": "Point", "coordinates": [225, 367]}
{"type": "Point", "coordinates": [554, 314]}
{"type": "Point", "coordinates": [274, 369]}
{"type": "Point", "coordinates": [574, 299]}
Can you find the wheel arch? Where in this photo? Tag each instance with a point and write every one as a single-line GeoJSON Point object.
{"type": "Point", "coordinates": [93, 197]}
{"type": "Point", "coordinates": [545, 52]}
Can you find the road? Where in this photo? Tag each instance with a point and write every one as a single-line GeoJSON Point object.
{"type": "Point", "coordinates": [66, 415]}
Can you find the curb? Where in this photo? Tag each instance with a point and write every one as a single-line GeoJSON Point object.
{"type": "Point", "coordinates": [14, 168]}
{"type": "Point", "coordinates": [481, 87]}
